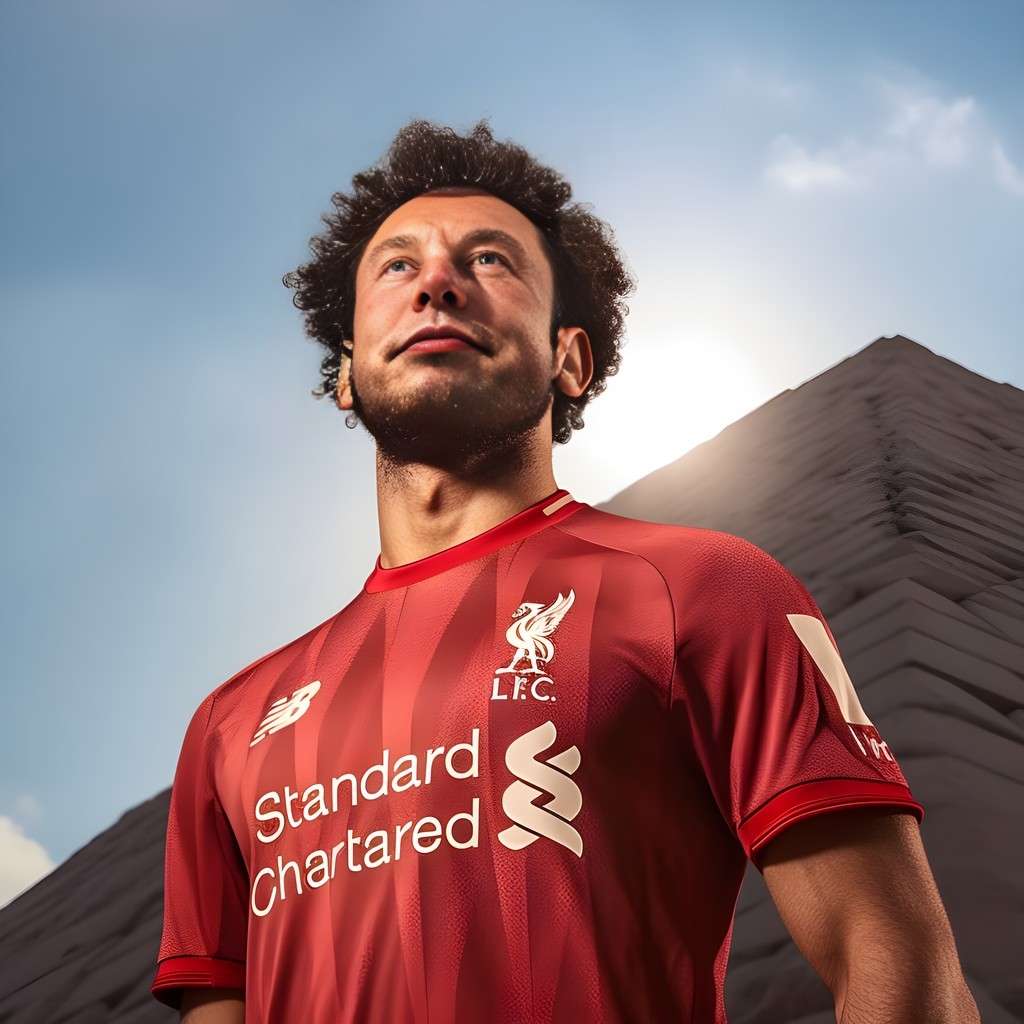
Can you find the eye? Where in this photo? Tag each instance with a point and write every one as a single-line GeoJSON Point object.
{"type": "Point", "coordinates": [488, 259]}
{"type": "Point", "coordinates": [397, 266]}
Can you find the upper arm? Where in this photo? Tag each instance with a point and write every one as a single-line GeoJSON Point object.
{"type": "Point", "coordinates": [206, 886]}
{"type": "Point", "coordinates": [212, 1006]}
{"type": "Point", "coordinates": [855, 891]}
{"type": "Point", "coordinates": [768, 705]}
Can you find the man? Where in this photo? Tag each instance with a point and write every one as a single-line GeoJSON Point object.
{"type": "Point", "coordinates": [518, 777]}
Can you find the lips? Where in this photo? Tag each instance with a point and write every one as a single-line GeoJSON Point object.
{"type": "Point", "coordinates": [439, 338]}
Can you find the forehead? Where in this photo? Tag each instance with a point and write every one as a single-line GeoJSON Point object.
{"type": "Point", "coordinates": [455, 216]}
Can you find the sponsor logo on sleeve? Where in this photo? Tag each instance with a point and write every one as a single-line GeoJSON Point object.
{"type": "Point", "coordinates": [813, 635]}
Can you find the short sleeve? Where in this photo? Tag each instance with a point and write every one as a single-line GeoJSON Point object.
{"type": "Point", "coordinates": [773, 716]}
{"type": "Point", "coordinates": [205, 879]}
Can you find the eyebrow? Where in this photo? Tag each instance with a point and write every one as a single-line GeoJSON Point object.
{"type": "Point", "coordinates": [389, 244]}
{"type": "Point", "coordinates": [482, 236]}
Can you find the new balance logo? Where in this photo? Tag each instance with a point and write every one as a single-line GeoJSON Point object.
{"type": "Point", "coordinates": [286, 711]}
{"type": "Point", "coordinates": [534, 779]}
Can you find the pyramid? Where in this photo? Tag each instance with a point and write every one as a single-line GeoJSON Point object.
{"type": "Point", "coordinates": [893, 486]}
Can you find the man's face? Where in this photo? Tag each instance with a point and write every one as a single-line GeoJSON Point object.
{"type": "Point", "coordinates": [452, 352]}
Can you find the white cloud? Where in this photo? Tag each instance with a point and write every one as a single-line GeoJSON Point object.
{"type": "Point", "coordinates": [796, 169]}
{"type": "Point", "coordinates": [940, 133]}
{"type": "Point", "coordinates": [22, 860]}
{"type": "Point", "coordinates": [918, 130]}
{"type": "Point", "coordinates": [1006, 173]}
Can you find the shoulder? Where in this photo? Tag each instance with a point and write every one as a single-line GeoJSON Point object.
{"type": "Point", "coordinates": [249, 690]}
{"type": "Point", "coordinates": [683, 554]}
{"type": "Point", "coordinates": [716, 582]}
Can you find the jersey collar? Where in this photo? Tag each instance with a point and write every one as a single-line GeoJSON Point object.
{"type": "Point", "coordinates": [554, 508]}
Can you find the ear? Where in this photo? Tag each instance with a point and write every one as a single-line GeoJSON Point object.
{"type": "Point", "coordinates": [574, 361]}
{"type": "Point", "coordinates": [343, 392]}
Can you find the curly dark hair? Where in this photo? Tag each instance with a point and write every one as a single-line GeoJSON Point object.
{"type": "Point", "coordinates": [591, 280]}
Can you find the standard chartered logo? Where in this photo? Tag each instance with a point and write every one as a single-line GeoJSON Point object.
{"type": "Point", "coordinates": [534, 778]}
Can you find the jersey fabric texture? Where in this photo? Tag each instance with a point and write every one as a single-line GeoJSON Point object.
{"type": "Point", "coordinates": [516, 781]}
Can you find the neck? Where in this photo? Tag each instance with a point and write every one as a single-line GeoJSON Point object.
{"type": "Point", "coordinates": [423, 509]}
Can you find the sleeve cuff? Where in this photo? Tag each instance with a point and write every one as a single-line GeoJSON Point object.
{"type": "Point", "coordinates": [814, 798]}
{"type": "Point", "coordinates": [178, 972]}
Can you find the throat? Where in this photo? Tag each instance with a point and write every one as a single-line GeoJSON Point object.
{"type": "Point", "coordinates": [423, 509]}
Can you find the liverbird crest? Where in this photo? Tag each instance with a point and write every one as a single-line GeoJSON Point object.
{"type": "Point", "coordinates": [532, 625]}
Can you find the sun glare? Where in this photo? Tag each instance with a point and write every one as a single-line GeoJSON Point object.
{"type": "Point", "coordinates": [669, 397]}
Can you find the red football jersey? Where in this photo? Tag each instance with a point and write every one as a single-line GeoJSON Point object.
{"type": "Point", "coordinates": [516, 781]}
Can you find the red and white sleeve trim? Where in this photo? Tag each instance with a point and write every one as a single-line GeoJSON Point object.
{"type": "Point", "coordinates": [178, 972]}
{"type": "Point", "coordinates": [814, 798]}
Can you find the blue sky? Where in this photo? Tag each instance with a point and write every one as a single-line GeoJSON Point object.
{"type": "Point", "coordinates": [789, 180]}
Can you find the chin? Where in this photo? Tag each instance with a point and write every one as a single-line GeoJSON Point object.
{"type": "Point", "coordinates": [456, 426]}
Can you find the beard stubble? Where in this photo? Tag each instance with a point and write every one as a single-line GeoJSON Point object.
{"type": "Point", "coordinates": [468, 421]}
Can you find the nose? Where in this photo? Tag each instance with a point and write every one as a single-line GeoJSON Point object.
{"type": "Point", "coordinates": [439, 286]}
